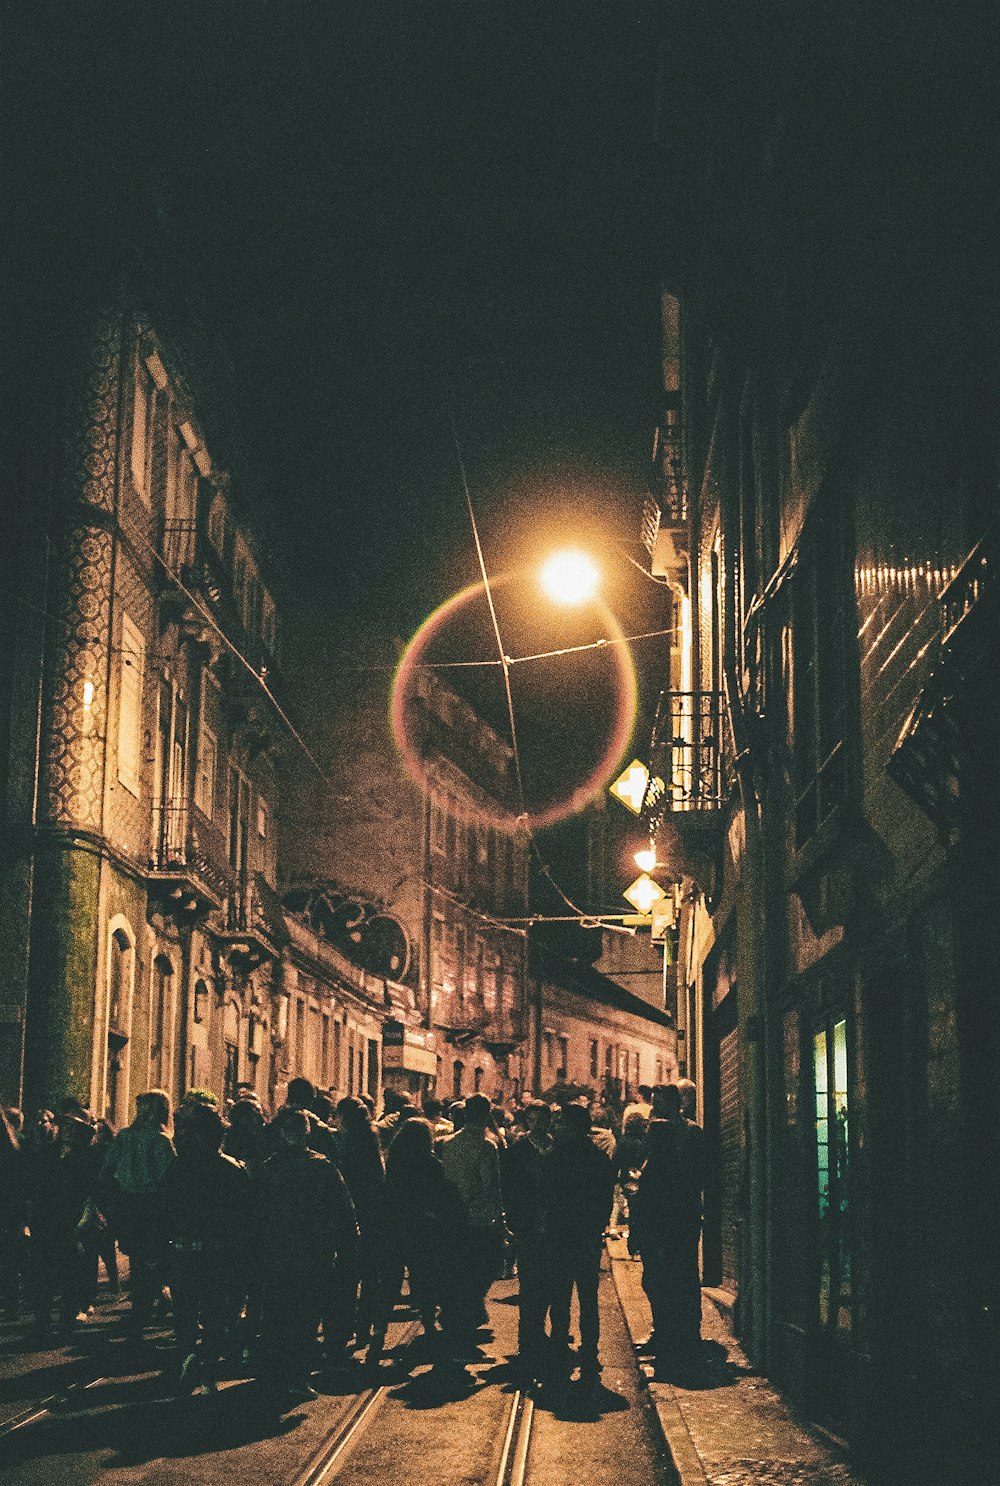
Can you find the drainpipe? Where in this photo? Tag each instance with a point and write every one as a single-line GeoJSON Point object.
{"type": "Point", "coordinates": [753, 950]}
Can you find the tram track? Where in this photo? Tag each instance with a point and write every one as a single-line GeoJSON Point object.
{"type": "Point", "coordinates": [35, 1412]}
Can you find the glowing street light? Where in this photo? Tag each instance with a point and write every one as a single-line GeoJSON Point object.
{"type": "Point", "coordinates": [646, 859]}
{"type": "Point", "coordinates": [570, 577]}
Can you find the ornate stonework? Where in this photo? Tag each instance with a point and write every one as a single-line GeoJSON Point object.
{"type": "Point", "coordinates": [88, 452]}
{"type": "Point", "coordinates": [78, 703]}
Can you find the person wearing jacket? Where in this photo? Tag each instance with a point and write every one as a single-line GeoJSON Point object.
{"type": "Point", "coordinates": [425, 1233]}
{"type": "Point", "coordinates": [137, 1160]}
{"type": "Point", "coordinates": [359, 1156]}
{"type": "Point", "coordinates": [521, 1168]}
{"type": "Point", "coordinates": [666, 1226]}
{"type": "Point", "coordinates": [577, 1185]}
{"type": "Point", "coordinates": [205, 1200]}
{"type": "Point", "coordinates": [308, 1226]}
{"type": "Point", "coordinates": [470, 1161]}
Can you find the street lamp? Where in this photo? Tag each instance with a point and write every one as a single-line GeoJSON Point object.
{"type": "Point", "coordinates": [569, 577]}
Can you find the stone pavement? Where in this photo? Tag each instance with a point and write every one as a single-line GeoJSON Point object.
{"type": "Point", "coordinates": [731, 1428]}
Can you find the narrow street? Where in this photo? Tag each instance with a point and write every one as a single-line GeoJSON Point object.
{"type": "Point", "coordinates": [103, 1411]}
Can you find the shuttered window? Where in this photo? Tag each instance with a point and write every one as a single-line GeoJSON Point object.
{"type": "Point", "coordinates": [131, 663]}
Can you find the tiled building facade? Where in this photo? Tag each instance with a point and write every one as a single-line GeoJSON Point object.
{"type": "Point", "coordinates": [139, 906]}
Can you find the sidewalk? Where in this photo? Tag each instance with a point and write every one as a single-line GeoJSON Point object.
{"type": "Point", "coordinates": [735, 1428]}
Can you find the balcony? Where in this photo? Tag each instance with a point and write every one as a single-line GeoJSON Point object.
{"type": "Point", "coordinates": [690, 752]}
{"type": "Point", "coordinates": [941, 745]}
{"type": "Point", "coordinates": [189, 868]}
{"type": "Point", "coordinates": [179, 538]}
{"type": "Point", "coordinates": [691, 768]}
{"type": "Point", "coordinates": [470, 1020]}
{"type": "Point", "coordinates": [255, 923]}
{"type": "Point", "coordinates": [664, 531]}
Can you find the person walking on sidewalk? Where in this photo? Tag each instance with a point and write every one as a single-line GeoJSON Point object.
{"type": "Point", "coordinates": [577, 1185]}
{"type": "Point", "coordinates": [666, 1229]}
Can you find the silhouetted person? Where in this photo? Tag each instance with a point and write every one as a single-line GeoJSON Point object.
{"type": "Point", "coordinates": [424, 1232]}
{"type": "Point", "coordinates": [577, 1182]}
{"type": "Point", "coordinates": [307, 1225]}
{"type": "Point", "coordinates": [137, 1160]}
{"type": "Point", "coordinates": [666, 1226]}
{"type": "Point", "coordinates": [13, 1215]}
{"type": "Point", "coordinates": [470, 1160]}
{"type": "Point", "coordinates": [301, 1095]}
{"type": "Point", "coordinates": [205, 1197]}
{"type": "Point", "coordinates": [521, 1180]}
{"type": "Point", "coordinates": [359, 1155]}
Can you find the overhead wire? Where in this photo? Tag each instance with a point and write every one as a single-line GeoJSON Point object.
{"type": "Point", "coordinates": [505, 668]}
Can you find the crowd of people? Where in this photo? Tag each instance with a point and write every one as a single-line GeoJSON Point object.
{"type": "Point", "coordinates": [282, 1245]}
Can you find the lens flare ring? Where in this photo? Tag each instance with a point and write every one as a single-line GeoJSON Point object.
{"type": "Point", "coordinates": [627, 689]}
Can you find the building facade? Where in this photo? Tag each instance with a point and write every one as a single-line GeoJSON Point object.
{"type": "Point", "coordinates": [590, 1036]}
{"type": "Point", "coordinates": [823, 503]}
{"type": "Point", "coordinates": [139, 913]}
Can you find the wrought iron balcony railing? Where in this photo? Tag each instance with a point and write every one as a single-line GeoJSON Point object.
{"type": "Point", "coordinates": [189, 855]}
{"type": "Point", "coordinates": [933, 752]}
{"type": "Point", "coordinates": [691, 753]}
{"type": "Point", "coordinates": [179, 539]}
{"type": "Point", "coordinates": [668, 464]}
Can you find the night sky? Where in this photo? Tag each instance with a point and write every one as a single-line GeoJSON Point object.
{"type": "Point", "coordinates": [388, 223]}
{"type": "Point", "coordinates": [385, 216]}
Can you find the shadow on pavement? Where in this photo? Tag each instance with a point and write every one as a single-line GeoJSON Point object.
{"type": "Point", "coordinates": [131, 1429]}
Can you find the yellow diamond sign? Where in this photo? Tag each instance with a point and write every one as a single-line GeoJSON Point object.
{"type": "Point", "coordinates": [643, 893]}
{"type": "Point", "coordinates": [633, 786]}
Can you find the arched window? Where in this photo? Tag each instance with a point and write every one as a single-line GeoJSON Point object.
{"type": "Point", "coordinates": [160, 1013]}
{"type": "Point", "coordinates": [231, 1049]}
{"type": "Point", "coordinates": [457, 1074]}
{"type": "Point", "coordinates": [121, 971]}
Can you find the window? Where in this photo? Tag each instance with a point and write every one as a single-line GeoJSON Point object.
{"type": "Point", "coordinates": [160, 1014]}
{"type": "Point", "coordinates": [477, 1080]}
{"type": "Point", "coordinates": [204, 787]}
{"type": "Point", "coordinates": [324, 1050]}
{"type": "Point", "coordinates": [131, 664]}
{"type": "Point", "coordinates": [239, 819]}
{"type": "Point", "coordinates": [217, 524]}
{"type": "Point", "coordinates": [548, 1049]}
{"type": "Point", "coordinates": [563, 1058]}
{"type": "Point", "coordinates": [231, 1072]}
{"type": "Point", "coordinates": [830, 1080]}
{"type": "Point", "coordinates": [121, 966]}
{"type": "Point", "coordinates": [457, 1073]}
{"type": "Point", "coordinates": [593, 1057]}
{"type": "Point", "coordinates": [819, 630]}
{"type": "Point", "coordinates": [143, 414]}
{"type": "Point", "coordinates": [300, 1036]}
{"type": "Point", "coordinates": [269, 624]}
{"type": "Point", "coordinates": [438, 813]}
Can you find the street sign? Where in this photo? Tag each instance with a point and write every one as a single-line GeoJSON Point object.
{"type": "Point", "coordinates": [643, 893]}
{"type": "Point", "coordinates": [633, 788]}
{"type": "Point", "coordinates": [661, 919]}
